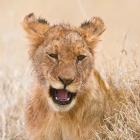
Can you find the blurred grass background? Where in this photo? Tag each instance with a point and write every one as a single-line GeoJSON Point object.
{"type": "Point", "coordinates": [117, 55]}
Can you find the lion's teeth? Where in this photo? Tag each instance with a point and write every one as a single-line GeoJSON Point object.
{"type": "Point", "coordinates": [68, 99]}
{"type": "Point", "coordinates": [56, 98]}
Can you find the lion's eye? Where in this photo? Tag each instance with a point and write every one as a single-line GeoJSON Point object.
{"type": "Point", "coordinates": [53, 55]}
{"type": "Point", "coordinates": [80, 57]}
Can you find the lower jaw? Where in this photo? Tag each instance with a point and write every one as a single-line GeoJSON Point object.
{"type": "Point", "coordinates": [62, 108]}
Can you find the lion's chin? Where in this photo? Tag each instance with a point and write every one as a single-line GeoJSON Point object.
{"type": "Point", "coordinates": [61, 99]}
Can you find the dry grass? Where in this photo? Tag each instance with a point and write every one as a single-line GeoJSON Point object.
{"type": "Point", "coordinates": [124, 78]}
{"type": "Point", "coordinates": [13, 88]}
{"type": "Point", "coordinates": [123, 123]}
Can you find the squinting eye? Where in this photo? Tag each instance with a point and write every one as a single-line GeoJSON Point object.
{"type": "Point", "coordinates": [53, 55]}
{"type": "Point", "coordinates": [80, 57]}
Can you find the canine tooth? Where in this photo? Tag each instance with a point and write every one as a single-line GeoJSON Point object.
{"type": "Point", "coordinates": [56, 98]}
{"type": "Point", "coordinates": [68, 99]}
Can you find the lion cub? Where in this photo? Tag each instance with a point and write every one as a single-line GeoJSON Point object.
{"type": "Point", "coordinates": [65, 103]}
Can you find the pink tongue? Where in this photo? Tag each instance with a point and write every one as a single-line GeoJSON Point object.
{"type": "Point", "coordinates": [62, 94]}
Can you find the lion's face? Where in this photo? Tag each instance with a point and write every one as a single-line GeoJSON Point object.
{"type": "Point", "coordinates": [63, 59]}
{"type": "Point", "coordinates": [66, 63]}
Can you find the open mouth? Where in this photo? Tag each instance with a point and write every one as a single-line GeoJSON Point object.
{"type": "Point", "coordinates": [61, 96]}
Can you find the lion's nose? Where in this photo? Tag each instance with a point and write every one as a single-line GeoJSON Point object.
{"type": "Point", "coordinates": [65, 81]}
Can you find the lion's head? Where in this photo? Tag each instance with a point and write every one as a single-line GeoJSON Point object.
{"type": "Point", "coordinates": [63, 57]}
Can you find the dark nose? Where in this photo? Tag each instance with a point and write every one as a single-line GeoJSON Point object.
{"type": "Point", "coordinates": [65, 81]}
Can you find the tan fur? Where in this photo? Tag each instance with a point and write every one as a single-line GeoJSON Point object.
{"type": "Point", "coordinates": [44, 119]}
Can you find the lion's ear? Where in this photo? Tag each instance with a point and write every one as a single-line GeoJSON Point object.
{"type": "Point", "coordinates": [35, 28]}
{"type": "Point", "coordinates": [92, 29]}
